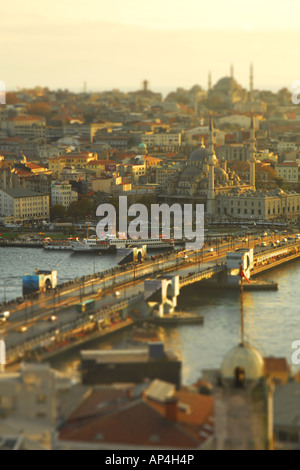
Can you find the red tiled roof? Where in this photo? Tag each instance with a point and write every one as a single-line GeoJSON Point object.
{"type": "Point", "coordinates": [111, 416]}
{"type": "Point", "coordinates": [276, 364]}
{"type": "Point", "coordinates": [288, 164]}
{"type": "Point", "coordinates": [133, 423]}
{"type": "Point", "coordinates": [102, 162]}
{"type": "Point", "coordinates": [33, 166]}
{"type": "Point", "coordinates": [27, 118]}
{"type": "Point", "coordinates": [152, 159]}
{"type": "Point", "coordinates": [11, 139]}
{"type": "Point", "coordinates": [23, 172]}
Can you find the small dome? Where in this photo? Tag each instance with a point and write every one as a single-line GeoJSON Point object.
{"type": "Point", "coordinates": [142, 145]}
{"type": "Point", "coordinates": [199, 155]}
{"type": "Point", "coordinates": [220, 171]}
{"type": "Point", "coordinates": [245, 357]}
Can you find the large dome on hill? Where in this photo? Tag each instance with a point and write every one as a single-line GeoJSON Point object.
{"type": "Point", "coordinates": [227, 84]}
{"type": "Point", "coordinates": [228, 90]}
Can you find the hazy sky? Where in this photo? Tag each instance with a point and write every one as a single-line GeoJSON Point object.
{"type": "Point", "coordinates": [172, 43]}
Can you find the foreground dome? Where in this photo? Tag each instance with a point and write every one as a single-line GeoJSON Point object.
{"type": "Point", "coordinates": [246, 357]}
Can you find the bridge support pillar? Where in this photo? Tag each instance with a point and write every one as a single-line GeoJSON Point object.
{"type": "Point", "coordinates": [161, 294]}
{"type": "Point", "coordinates": [241, 258]}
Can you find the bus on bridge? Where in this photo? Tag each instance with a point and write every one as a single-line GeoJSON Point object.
{"type": "Point", "coordinates": [86, 305]}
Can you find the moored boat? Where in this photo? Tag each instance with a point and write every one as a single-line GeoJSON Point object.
{"type": "Point", "coordinates": [50, 244]}
{"type": "Point", "coordinates": [114, 244]}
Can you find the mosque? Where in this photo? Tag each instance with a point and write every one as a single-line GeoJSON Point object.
{"type": "Point", "coordinates": [228, 91]}
{"type": "Point", "coordinates": [206, 180]}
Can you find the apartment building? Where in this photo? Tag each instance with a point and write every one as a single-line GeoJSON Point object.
{"type": "Point", "coordinates": [62, 193]}
{"type": "Point", "coordinates": [31, 127]}
{"type": "Point", "coordinates": [165, 140]}
{"type": "Point", "coordinates": [78, 160]}
{"type": "Point", "coordinates": [22, 205]}
{"type": "Point", "coordinates": [289, 171]}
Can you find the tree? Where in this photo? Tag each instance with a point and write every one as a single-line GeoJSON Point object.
{"type": "Point", "coordinates": [39, 108]}
{"type": "Point", "coordinates": [279, 181]}
{"type": "Point", "coordinates": [57, 212]}
{"type": "Point", "coordinates": [12, 98]}
{"type": "Point", "coordinates": [80, 209]}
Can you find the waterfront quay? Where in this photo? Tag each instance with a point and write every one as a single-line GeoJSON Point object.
{"type": "Point", "coordinates": [118, 295]}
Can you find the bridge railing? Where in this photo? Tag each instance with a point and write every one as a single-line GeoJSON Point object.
{"type": "Point", "coordinates": [190, 278]}
{"type": "Point", "coordinates": [14, 352]}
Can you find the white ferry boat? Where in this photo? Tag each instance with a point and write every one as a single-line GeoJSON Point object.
{"type": "Point", "coordinates": [114, 244]}
{"type": "Point", "coordinates": [90, 244]}
{"type": "Point", "coordinates": [50, 244]}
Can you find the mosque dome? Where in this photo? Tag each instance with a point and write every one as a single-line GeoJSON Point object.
{"type": "Point", "coordinates": [245, 357]}
{"type": "Point", "coordinates": [220, 171]}
{"type": "Point", "coordinates": [228, 90]}
{"type": "Point", "coordinates": [227, 84]}
{"type": "Point", "coordinates": [199, 155]}
{"type": "Point", "coordinates": [142, 145]}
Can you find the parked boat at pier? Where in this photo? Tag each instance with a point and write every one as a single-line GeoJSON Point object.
{"type": "Point", "coordinates": [113, 244]}
{"type": "Point", "coordinates": [50, 244]}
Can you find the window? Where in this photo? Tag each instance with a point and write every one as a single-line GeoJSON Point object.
{"type": "Point", "coordinates": [41, 398]}
{"type": "Point", "coordinates": [282, 436]}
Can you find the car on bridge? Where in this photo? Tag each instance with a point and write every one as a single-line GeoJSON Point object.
{"type": "Point", "coordinates": [52, 318]}
{"type": "Point", "coordinates": [4, 316]}
{"type": "Point", "coordinates": [23, 329]}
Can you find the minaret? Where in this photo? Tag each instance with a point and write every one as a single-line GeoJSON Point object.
{"type": "Point", "coordinates": [231, 70]}
{"type": "Point", "coordinates": [209, 81]}
{"type": "Point", "coordinates": [251, 83]}
{"type": "Point", "coordinates": [211, 173]}
{"type": "Point", "coordinates": [145, 86]}
{"type": "Point", "coordinates": [252, 152]}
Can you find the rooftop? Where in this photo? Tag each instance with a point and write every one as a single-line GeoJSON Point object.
{"type": "Point", "coordinates": [123, 415]}
{"type": "Point", "coordinates": [286, 404]}
{"type": "Point", "coordinates": [19, 193]}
